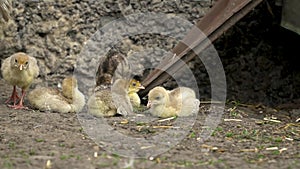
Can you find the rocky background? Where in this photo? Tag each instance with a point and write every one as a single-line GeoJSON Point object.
{"type": "Point", "coordinates": [257, 54]}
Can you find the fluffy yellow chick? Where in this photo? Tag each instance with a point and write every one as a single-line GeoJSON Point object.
{"type": "Point", "coordinates": [134, 87]}
{"type": "Point", "coordinates": [5, 8]}
{"type": "Point", "coordinates": [111, 101]}
{"type": "Point", "coordinates": [19, 70]}
{"type": "Point", "coordinates": [70, 99]}
{"type": "Point", "coordinates": [181, 101]}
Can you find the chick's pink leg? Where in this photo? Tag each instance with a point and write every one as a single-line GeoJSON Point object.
{"type": "Point", "coordinates": [20, 105]}
{"type": "Point", "coordinates": [14, 96]}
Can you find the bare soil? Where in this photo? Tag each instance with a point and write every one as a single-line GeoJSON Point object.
{"type": "Point", "coordinates": [248, 136]}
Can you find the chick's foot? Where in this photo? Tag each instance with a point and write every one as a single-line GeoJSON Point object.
{"type": "Point", "coordinates": [14, 97]}
{"type": "Point", "coordinates": [18, 107]}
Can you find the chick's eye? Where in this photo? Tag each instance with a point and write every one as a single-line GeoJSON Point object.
{"type": "Point", "coordinates": [26, 63]}
{"type": "Point", "coordinates": [157, 98]}
{"type": "Point", "coordinates": [133, 84]}
{"type": "Point", "coordinates": [16, 61]}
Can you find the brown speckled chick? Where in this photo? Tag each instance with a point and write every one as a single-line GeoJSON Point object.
{"type": "Point", "coordinates": [108, 65]}
{"type": "Point", "coordinates": [19, 70]}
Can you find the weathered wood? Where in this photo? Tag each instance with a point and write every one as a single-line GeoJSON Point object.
{"type": "Point", "coordinates": [5, 9]}
{"type": "Point", "coordinates": [220, 18]}
{"type": "Point", "coordinates": [290, 15]}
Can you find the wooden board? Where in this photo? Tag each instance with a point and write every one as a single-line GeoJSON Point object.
{"type": "Point", "coordinates": [220, 18]}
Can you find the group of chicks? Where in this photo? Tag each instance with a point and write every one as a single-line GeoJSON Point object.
{"type": "Point", "coordinates": [20, 70]}
{"type": "Point", "coordinates": [115, 92]}
{"type": "Point", "coordinates": [111, 96]}
{"type": "Point", "coordinates": [115, 96]}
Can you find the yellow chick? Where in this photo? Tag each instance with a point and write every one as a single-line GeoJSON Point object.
{"type": "Point", "coordinates": [134, 87]}
{"type": "Point", "coordinates": [181, 101]}
{"type": "Point", "coordinates": [19, 70]}
{"type": "Point", "coordinates": [111, 101]}
{"type": "Point", "coordinates": [5, 8]}
{"type": "Point", "coordinates": [69, 100]}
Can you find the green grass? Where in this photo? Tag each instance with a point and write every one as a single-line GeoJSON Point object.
{"type": "Point", "coordinates": [276, 152]}
{"type": "Point", "coordinates": [116, 156]}
{"type": "Point", "coordinates": [141, 123]}
{"type": "Point", "coordinates": [32, 152]}
{"type": "Point", "coordinates": [278, 139]}
{"type": "Point", "coordinates": [192, 135]}
{"type": "Point", "coordinates": [8, 164]}
{"type": "Point", "coordinates": [24, 154]}
{"type": "Point", "coordinates": [261, 147]}
{"type": "Point", "coordinates": [233, 113]}
{"type": "Point", "coordinates": [39, 140]}
{"type": "Point", "coordinates": [184, 163]}
{"type": "Point", "coordinates": [51, 154]}
{"type": "Point", "coordinates": [217, 130]}
{"type": "Point", "coordinates": [235, 103]}
{"type": "Point", "coordinates": [104, 165]}
{"type": "Point", "coordinates": [213, 162]}
{"type": "Point", "coordinates": [61, 145]}
{"type": "Point", "coordinates": [260, 156]}
{"type": "Point", "coordinates": [229, 134]}
{"type": "Point", "coordinates": [12, 145]}
{"type": "Point", "coordinates": [246, 134]}
{"type": "Point", "coordinates": [66, 157]}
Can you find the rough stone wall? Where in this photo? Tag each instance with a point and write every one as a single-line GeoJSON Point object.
{"type": "Point", "coordinates": [54, 31]}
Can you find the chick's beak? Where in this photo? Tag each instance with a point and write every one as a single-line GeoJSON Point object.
{"type": "Point", "coordinates": [141, 87]}
{"type": "Point", "coordinates": [21, 67]}
{"type": "Point", "coordinates": [149, 104]}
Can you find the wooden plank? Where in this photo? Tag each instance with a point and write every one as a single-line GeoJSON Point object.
{"type": "Point", "coordinates": [220, 18]}
{"type": "Point", "coordinates": [5, 9]}
{"type": "Point", "coordinates": [290, 15]}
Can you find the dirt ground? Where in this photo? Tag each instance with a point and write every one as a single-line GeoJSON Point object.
{"type": "Point", "coordinates": [248, 136]}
